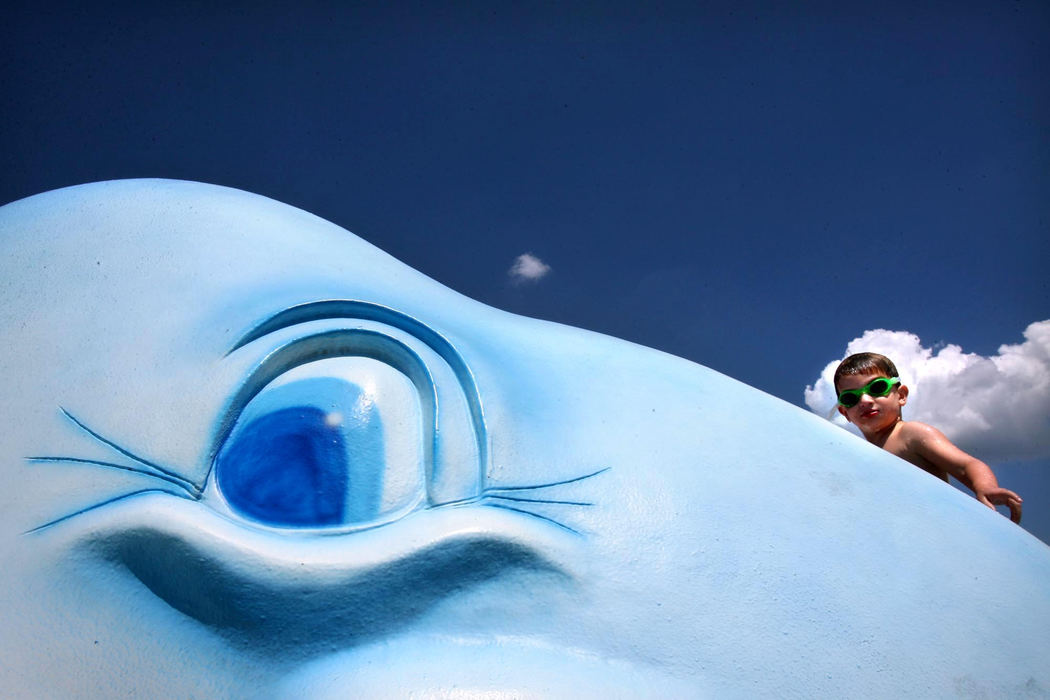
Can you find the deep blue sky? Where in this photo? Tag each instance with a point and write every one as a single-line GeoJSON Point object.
{"type": "Point", "coordinates": [748, 185]}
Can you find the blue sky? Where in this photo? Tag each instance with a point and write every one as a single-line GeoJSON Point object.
{"type": "Point", "coordinates": [748, 185]}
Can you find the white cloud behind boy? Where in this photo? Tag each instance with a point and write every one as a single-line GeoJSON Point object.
{"type": "Point", "coordinates": [997, 407]}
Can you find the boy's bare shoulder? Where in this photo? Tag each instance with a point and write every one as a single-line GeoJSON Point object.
{"type": "Point", "coordinates": [922, 445]}
{"type": "Point", "coordinates": [921, 439]}
{"type": "Point", "coordinates": [912, 431]}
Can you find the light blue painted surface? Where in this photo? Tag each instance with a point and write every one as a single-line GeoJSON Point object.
{"type": "Point", "coordinates": [560, 514]}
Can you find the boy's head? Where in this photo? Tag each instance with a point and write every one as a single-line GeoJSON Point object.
{"type": "Point", "coordinates": [865, 363]}
{"type": "Point", "coordinates": [871, 405]}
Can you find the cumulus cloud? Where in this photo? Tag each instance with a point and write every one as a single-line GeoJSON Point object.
{"type": "Point", "coordinates": [996, 408]}
{"type": "Point", "coordinates": [527, 268]}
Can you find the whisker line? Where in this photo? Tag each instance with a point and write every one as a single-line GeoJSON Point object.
{"type": "Point", "coordinates": [539, 500]}
{"type": "Point", "coordinates": [121, 450]}
{"type": "Point", "coordinates": [187, 486]}
{"type": "Point", "coordinates": [94, 507]}
{"type": "Point", "coordinates": [535, 515]}
{"type": "Point", "coordinates": [548, 485]}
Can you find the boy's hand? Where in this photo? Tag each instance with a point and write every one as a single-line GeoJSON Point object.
{"type": "Point", "coordinates": [931, 444]}
{"type": "Point", "coordinates": [1001, 497]}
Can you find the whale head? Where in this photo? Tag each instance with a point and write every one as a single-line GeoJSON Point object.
{"type": "Point", "coordinates": [248, 454]}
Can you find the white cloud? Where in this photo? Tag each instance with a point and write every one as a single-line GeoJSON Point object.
{"type": "Point", "coordinates": [996, 408]}
{"type": "Point", "coordinates": [528, 268]}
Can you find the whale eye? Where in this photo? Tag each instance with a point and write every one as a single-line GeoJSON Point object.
{"type": "Point", "coordinates": [333, 443]}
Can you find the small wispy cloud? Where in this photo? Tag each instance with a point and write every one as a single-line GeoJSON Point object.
{"type": "Point", "coordinates": [527, 268]}
{"type": "Point", "coordinates": [995, 407]}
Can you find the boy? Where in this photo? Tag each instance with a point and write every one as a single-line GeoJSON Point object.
{"type": "Point", "coordinates": [871, 396]}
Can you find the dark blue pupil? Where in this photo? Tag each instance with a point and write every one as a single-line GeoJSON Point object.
{"type": "Point", "coordinates": [287, 467]}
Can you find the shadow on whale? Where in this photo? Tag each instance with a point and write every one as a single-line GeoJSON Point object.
{"type": "Point", "coordinates": [248, 454]}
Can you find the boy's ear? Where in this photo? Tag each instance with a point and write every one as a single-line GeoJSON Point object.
{"type": "Point", "coordinates": [902, 392]}
{"type": "Point", "coordinates": [842, 410]}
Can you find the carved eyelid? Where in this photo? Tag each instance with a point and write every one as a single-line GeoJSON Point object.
{"type": "Point", "coordinates": [447, 481]}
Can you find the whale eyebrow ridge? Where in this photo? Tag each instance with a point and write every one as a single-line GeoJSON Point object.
{"type": "Point", "coordinates": [327, 309]}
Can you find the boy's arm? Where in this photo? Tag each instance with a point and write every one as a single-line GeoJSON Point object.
{"type": "Point", "coordinates": [933, 446]}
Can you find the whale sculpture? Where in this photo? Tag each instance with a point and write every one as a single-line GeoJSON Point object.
{"type": "Point", "coordinates": [248, 454]}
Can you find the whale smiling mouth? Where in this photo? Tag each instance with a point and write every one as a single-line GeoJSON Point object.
{"type": "Point", "coordinates": [271, 593]}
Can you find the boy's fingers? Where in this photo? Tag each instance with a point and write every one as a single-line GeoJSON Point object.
{"type": "Point", "coordinates": [1013, 502]}
{"type": "Point", "coordinates": [1004, 498]}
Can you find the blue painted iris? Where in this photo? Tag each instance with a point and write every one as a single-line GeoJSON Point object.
{"type": "Point", "coordinates": [331, 443]}
{"type": "Point", "coordinates": [289, 467]}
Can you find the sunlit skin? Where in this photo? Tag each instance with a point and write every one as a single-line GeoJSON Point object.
{"type": "Point", "coordinates": [879, 419]}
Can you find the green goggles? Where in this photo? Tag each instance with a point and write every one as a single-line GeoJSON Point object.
{"type": "Point", "coordinates": [876, 387]}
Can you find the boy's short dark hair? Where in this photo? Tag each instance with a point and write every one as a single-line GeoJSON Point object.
{"type": "Point", "coordinates": [865, 363]}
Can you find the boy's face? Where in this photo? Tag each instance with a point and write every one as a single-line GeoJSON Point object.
{"type": "Point", "coordinates": [872, 413]}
